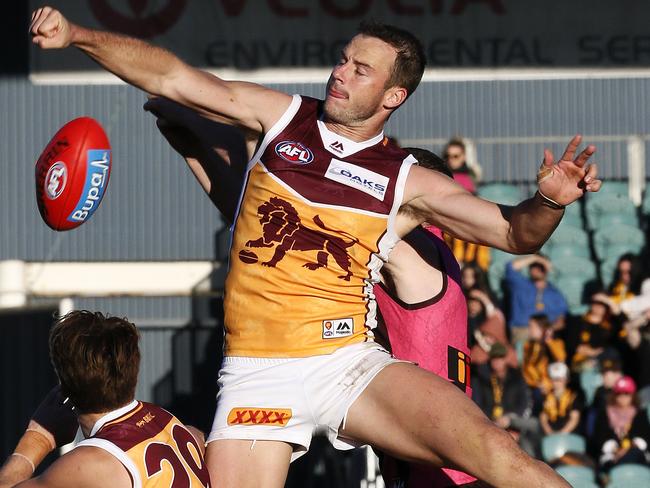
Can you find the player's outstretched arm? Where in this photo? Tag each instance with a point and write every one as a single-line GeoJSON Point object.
{"type": "Point", "coordinates": [83, 467]}
{"type": "Point", "coordinates": [522, 229]}
{"type": "Point", "coordinates": [159, 72]}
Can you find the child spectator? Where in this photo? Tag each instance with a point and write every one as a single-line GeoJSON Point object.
{"type": "Point", "coordinates": [541, 349]}
{"type": "Point", "coordinates": [562, 406]}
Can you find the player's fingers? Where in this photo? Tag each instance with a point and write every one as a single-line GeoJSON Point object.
{"type": "Point", "coordinates": [584, 156]}
{"type": "Point", "coordinates": [594, 185]}
{"type": "Point", "coordinates": [591, 173]}
{"type": "Point", "coordinates": [43, 16]}
{"type": "Point", "coordinates": [571, 148]}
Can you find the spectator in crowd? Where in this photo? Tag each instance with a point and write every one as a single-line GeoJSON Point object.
{"type": "Point", "coordinates": [637, 353]}
{"type": "Point", "coordinates": [611, 371]}
{"type": "Point", "coordinates": [486, 327]}
{"type": "Point", "coordinates": [455, 156]}
{"type": "Point", "coordinates": [562, 406]}
{"type": "Point", "coordinates": [622, 430]}
{"type": "Point", "coordinates": [532, 295]}
{"type": "Point", "coordinates": [626, 282]}
{"type": "Point", "coordinates": [502, 394]}
{"type": "Point", "coordinates": [473, 277]}
{"type": "Point", "coordinates": [594, 333]}
{"type": "Point", "coordinates": [540, 350]}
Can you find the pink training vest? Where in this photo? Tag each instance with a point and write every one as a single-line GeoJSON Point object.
{"type": "Point", "coordinates": [432, 334]}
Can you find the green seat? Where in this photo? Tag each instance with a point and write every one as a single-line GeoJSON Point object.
{"type": "Point", "coordinates": [620, 237]}
{"type": "Point", "coordinates": [630, 475]}
{"type": "Point", "coordinates": [620, 188]}
{"type": "Point", "coordinates": [560, 251]}
{"type": "Point", "coordinates": [574, 266]}
{"type": "Point", "coordinates": [501, 193]}
{"type": "Point", "coordinates": [572, 287]}
{"type": "Point", "coordinates": [576, 475]}
{"type": "Point", "coordinates": [555, 446]}
{"type": "Point", "coordinates": [608, 204]}
{"type": "Point", "coordinates": [568, 234]}
{"type": "Point", "coordinates": [590, 381]}
{"type": "Point", "coordinates": [495, 278]}
{"type": "Point", "coordinates": [608, 220]}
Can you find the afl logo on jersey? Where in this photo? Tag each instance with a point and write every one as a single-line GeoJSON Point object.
{"type": "Point", "coordinates": [294, 152]}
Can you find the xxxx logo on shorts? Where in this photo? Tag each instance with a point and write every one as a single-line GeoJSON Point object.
{"type": "Point", "coordinates": [259, 416]}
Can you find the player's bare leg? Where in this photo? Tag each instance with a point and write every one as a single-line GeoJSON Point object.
{"type": "Point", "coordinates": [424, 419]}
{"type": "Point", "coordinates": [248, 464]}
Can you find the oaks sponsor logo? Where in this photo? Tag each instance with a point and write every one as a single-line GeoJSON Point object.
{"type": "Point", "coordinates": [357, 177]}
{"type": "Point", "coordinates": [259, 416]}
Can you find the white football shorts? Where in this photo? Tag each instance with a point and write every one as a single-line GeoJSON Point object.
{"type": "Point", "coordinates": [289, 399]}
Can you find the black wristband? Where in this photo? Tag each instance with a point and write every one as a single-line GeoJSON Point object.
{"type": "Point", "coordinates": [550, 203]}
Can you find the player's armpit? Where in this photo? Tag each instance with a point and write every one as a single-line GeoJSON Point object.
{"type": "Point", "coordinates": [88, 467]}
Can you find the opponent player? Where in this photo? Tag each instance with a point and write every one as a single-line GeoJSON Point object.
{"type": "Point", "coordinates": [127, 443]}
{"type": "Point", "coordinates": [422, 310]}
{"type": "Point", "coordinates": [326, 198]}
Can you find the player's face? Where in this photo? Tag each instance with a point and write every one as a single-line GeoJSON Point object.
{"type": "Point", "coordinates": [357, 86]}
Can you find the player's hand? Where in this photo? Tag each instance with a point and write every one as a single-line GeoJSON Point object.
{"type": "Point", "coordinates": [55, 417]}
{"type": "Point", "coordinates": [50, 29]}
{"type": "Point", "coordinates": [174, 122]}
{"type": "Point", "coordinates": [569, 178]}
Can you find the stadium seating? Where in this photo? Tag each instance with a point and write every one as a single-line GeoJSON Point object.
{"type": "Point", "coordinates": [608, 220]}
{"type": "Point", "coordinates": [590, 380]}
{"type": "Point", "coordinates": [555, 446]}
{"type": "Point", "coordinates": [573, 266]}
{"type": "Point", "coordinates": [560, 251]}
{"type": "Point", "coordinates": [620, 188]}
{"type": "Point", "coordinates": [577, 475]}
{"type": "Point", "coordinates": [568, 234]}
{"type": "Point", "coordinates": [573, 289]}
{"type": "Point", "coordinates": [501, 193]}
{"type": "Point", "coordinates": [629, 475]}
{"type": "Point", "coordinates": [624, 237]}
{"type": "Point", "coordinates": [608, 204]}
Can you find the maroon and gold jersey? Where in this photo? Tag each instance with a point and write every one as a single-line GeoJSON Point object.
{"type": "Point", "coordinates": [314, 225]}
{"type": "Point", "coordinates": [154, 446]}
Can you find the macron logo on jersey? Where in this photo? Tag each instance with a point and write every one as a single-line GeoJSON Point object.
{"type": "Point", "coordinates": [357, 177]}
{"type": "Point", "coordinates": [338, 328]}
{"type": "Point", "coordinates": [337, 146]}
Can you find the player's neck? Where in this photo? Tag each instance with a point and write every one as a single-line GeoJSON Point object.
{"type": "Point", "coordinates": [88, 420]}
{"type": "Point", "coordinates": [356, 133]}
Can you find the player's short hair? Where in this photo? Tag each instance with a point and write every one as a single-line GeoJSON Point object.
{"type": "Point", "coordinates": [429, 160]}
{"type": "Point", "coordinates": [96, 359]}
{"type": "Point", "coordinates": [410, 60]}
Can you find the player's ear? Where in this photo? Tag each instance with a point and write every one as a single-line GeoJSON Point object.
{"type": "Point", "coordinates": [395, 96]}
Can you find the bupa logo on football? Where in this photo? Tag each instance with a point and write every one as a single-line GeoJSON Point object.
{"type": "Point", "coordinates": [294, 152]}
{"type": "Point", "coordinates": [55, 180]}
{"type": "Point", "coordinates": [357, 177]}
{"type": "Point", "coordinates": [338, 328]}
{"type": "Point", "coordinates": [98, 164]}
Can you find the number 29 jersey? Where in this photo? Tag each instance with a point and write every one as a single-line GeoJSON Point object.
{"type": "Point", "coordinates": [313, 227]}
{"type": "Point", "coordinates": [154, 446]}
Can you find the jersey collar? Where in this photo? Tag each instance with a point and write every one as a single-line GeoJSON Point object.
{"type": "Point", "coordinates": [342, 146]}
{"type": "Point", "coordinates": [110, 416]}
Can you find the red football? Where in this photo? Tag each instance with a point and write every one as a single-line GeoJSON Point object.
{"type": "Point", "coordinates": [72, 174]}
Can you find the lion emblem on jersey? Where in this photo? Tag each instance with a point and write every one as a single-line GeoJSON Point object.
{"type": "Point", "coordinates": [281, 227]}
